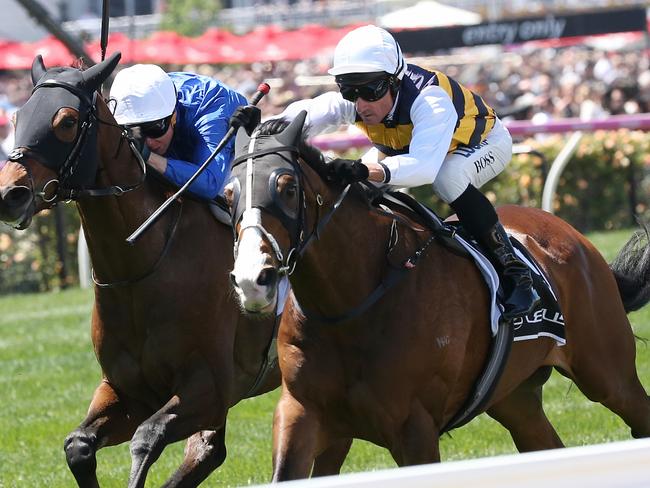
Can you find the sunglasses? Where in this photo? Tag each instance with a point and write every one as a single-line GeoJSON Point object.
{"type": "Point", "coordinates": [370, 92]}
{"type": "Point", "coordinates": [155, 129]}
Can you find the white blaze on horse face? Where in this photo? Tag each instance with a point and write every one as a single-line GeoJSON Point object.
{"type": "Point", "coordinates": [250, 263]}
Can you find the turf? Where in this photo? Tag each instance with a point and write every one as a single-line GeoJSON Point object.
{"type": "Point", "coordinates": [48, 373]}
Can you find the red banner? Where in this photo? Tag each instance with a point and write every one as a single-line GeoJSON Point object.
{"type": "Point", "coordinates": [266, 43]}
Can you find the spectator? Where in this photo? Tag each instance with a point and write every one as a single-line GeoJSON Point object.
{"type": "Point", "coordinates": [5, 130]}
{"type": "Point", "coordinates": [565, 82]}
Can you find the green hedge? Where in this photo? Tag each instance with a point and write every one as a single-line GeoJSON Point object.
{"type": "Point", "coordinates": [29, 260]}
{"type": "Point", "coordinates": [608, 171]}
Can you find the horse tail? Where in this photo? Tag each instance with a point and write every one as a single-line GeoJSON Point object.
{"type": "Point", "coordinates": [631, 268]}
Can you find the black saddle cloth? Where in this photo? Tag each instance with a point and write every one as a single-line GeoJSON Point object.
{"type": "Point", "coordinates": [545, 319]}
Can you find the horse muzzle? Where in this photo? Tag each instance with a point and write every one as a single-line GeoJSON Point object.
{"type": "Point", "coordinates": [257, 292]}
{"type": "Point", "coordinates": [16, 199]}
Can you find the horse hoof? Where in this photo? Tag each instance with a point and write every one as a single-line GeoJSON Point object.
{"type": "Point", "coordinates": [80, 452]}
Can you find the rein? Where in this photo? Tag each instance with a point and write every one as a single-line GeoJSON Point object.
{"type": "Point", "coordinates": [170, 237]}
{"type": "Point", "coordinates": [390, 279]}
{"type": "Point", "coordinates": [299, 245]}
{"type": "Point", "coordinates": [72, 160]}
{"type": "Point", "coordinates": [115, 190]}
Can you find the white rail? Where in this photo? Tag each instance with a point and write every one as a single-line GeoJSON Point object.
{"type": "Point", "coordinates": [623, 464]}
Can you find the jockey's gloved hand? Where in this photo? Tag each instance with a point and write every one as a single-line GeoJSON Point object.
{"type": "Point", "coordinates": [246, 116]}
{"type": "Point", "coordinates": [347, 170]}
{"type": "Point", "coordinates": [138, 141]}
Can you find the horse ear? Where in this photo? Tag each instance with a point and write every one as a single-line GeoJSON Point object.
{"type": "Point", "coordinates": [292, 135]}
{"type": "Point", "coordinates": [38, 69]}
{"type": "Point", "coordinates": [96, 75]}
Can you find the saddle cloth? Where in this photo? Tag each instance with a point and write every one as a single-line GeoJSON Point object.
{"type": "Point", "coordinates": [545, 320]}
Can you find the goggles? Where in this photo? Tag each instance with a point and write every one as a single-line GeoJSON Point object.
{"type": "Point", "coordinates": [155, 129]}
{"type": "Point", "coordinates": [370, 91]}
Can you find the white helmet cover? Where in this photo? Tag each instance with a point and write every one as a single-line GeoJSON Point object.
{"type": "Point", "coordinates": [143, 93]}
{"type": "Point", "coordinates": [368, 49]}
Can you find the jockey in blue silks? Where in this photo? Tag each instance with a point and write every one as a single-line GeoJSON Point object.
{"type": "Point", "coordinates": [181, 118]}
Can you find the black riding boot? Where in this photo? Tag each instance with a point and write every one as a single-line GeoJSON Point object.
{"type": "Point", "coordinates": [479, 218]}
{"type": "Point", "coordinates": [520, 295]}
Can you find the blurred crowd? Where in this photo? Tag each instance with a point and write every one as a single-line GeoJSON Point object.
{"type": "Point", "coordinates": [527, 83]}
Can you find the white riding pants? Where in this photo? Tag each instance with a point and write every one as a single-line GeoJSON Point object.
{"type": "Point", "coordinates": [476, 165]}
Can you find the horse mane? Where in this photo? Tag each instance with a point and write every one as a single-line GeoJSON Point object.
{"type": "Point", "coordinates": [80, 64]}
{"type": "Point", "coordinates": [310, 154]}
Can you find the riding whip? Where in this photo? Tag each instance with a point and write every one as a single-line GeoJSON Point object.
{"type": "Point", "coordinates": [262, 90]}
{"type": "Point", "coordinates": [103, 39]}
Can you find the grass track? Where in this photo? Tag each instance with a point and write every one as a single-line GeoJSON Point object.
{"type": "Point", "coordinates": [48, 373]}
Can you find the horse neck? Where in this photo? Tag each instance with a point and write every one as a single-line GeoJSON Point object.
{"type": "Point", "coordinates": [346, 262]}
{"type": "Point", "coordinates": [109, 220]}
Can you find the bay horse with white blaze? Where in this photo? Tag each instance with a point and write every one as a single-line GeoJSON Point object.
{"type": "Point", "coordinates": [174, 350]}
{"type": "Point", "coordinates": [396, 372]}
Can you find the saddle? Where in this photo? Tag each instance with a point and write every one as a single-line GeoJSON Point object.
{"type": "Point", "coordinates": [545, 320]}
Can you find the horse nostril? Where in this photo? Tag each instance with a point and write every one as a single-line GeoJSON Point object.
{"type": "Point", "coordinates": [233, 280]}
{"type": "Point", "coordinates": [267, 277]}
{"type": "Point", "coordinates": [16, 196]}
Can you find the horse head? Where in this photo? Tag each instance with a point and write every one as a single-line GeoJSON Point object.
{"type": "Point", "coordinates": [271, 208]}
{"type": "Point", "coordinates": [55, 145]}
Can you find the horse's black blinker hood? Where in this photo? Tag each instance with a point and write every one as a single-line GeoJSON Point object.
{"type": "Point", "coordinates": [273, 156]}
{"type": "Point", "coordinates": [54, 89]}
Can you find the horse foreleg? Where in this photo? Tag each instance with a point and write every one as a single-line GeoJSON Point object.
{"type": "Point", "coordinates": [205, 451]}
{"type": "Point", "coordinates": [175, 421]}
{"type": "Point", "coordinates": [296, 434]}
{"type": "Point", "coordinates": [107, 423]}
{"type": "Point", "coordinates": [522, 413]}
{"type": "Point", "coordinates": [330, 461]}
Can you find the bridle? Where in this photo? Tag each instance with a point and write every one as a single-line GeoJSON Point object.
{"type": "Point", "coordinates": [65, 191]}
{"type": "Point", "coordinates": [249, 216]}
{"type": "Point", "coordinates": [65, 172]}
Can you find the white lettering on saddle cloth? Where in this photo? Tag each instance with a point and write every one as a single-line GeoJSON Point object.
{"type": "Point", "coordinates": [546, 320]}
{"type": "Point", "coordinates": [540, 323]}
{"type": "Point", "coordinates": [539, 316]}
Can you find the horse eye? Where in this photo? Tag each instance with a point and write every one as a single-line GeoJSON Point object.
{"type": "Point", "coordinates": [68, 122]}
{"type": "Point", "coordinates": [291, 190]}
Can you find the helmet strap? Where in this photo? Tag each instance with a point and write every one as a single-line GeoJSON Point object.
{"type": "Point", "coordinates": [393, 84]}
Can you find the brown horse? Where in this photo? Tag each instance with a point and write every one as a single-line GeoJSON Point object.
{"type": "Point", "coordinates": [174, 350]}
{"type": "Point", "coordinates": [397, 371]}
